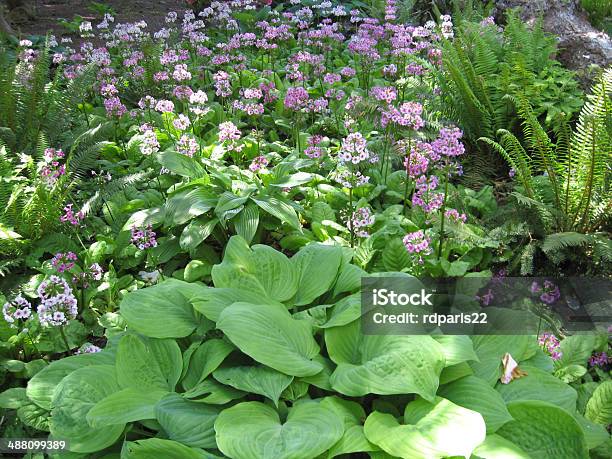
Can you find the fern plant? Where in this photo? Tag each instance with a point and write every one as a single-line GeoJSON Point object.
{"type": "Point", "coordinates": [483, 65]}
{"type": "Point", "coordinates": [565, 183]}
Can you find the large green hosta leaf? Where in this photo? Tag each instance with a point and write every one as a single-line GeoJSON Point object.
{"type": "Point", "coordinates": [160, 448]}
{"type": "Point", "coordinates": [206, 358]}
{"type": "Point", "coordinates": [73, 398]}
{"type": "Point", "coordinates": [383, 364]}
{"type": "Point", "coordinates": [353, 440]}
{"type": "Point", "coordinates": [156, 365]}
{"type": "Point", "coordinates": [318, 267]}
{"type": "Point", "coordinates": [496, 447]}
{"type": "Point", "coordinates": [491, 348]}
{"type": "Point", "coordinates": [41, 387]}
{"type": "Point", "coordinates": [160, 311]}
{"type": "Point", "coordinates": [252, 430]}
{"type": "Point", "coordinates": [268, 334]}
{"type": "Point", "coordinates": [539, 385]}
{"type": "Point", "coordinates": [212, 301]}
{"type": "Point", "coordinates": [191, 423]}
{"type": "Point", "coordinates": [599, 406]}
{"type": "Point", "coordinates": [446, 430]}
{"type": "Point", "coordinates": [475, 394]}
{"type": "Point", "coordinates": [257, 380]}
{"type": "Point", "coordinates": [544, 431]}
{"type": "Point", "coordinates": [125, 406]}
{"type": "Point", "coordinates": [260, 269]}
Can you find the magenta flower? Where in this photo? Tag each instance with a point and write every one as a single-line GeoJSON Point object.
{"type": "Point", "coordinates": [63, 261]}
{"type": "Point", "coordinates": [143, 238]}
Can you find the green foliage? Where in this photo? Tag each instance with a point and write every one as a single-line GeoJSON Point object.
{"type": "Point", "coordinates": [569, 202]}
{"type": "Point", "coordinates": [600, 13]}
{"type": "Point", "coordinates": [483, 67]}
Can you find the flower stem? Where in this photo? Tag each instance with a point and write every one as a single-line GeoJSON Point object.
{"type": "Point", "coordinates": [442, 213]}
{"type": "Point", "coordinates": [64, 338]}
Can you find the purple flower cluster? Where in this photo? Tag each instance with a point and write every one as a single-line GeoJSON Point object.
{"type": "Point", "coordinates": [417, 243]}
{"type": "Point", "coordinates": [63, 261]}
{"type": "Point", "coordinates": [454, 215]}
{"type": "Point", "coordinates": [551, 345]}
{"type": "Point", "coordinates": [228, 131]}
{"type": "Point", "coordinates": [57, 310]}
{"type": "Point", "coordinates": [94, 273]}
{"type": "Point", "coordinates": [58, 304]}
{"type": "Point", "coordinates": [51, 169]}
{"type": "Point", "coordinates": [70, 217]}
{"type": "Point", "coordinates": [259, 163]}
{"type": "Point", "coordinates": [425, 195]}
{"type": "Point", "coordinates": [360, 220]}
{"type": "Point", "coordinates": [143, 238]}
{"type": "Point", "coordinates": [548, 293]}
{"type": "Point", "coordinates": [114, 107]}
{"type": "Point", "coordinates": [407, 114]}
{"type": "Point", "coordinates": [187, 145]}
{"type": "Point", "coordinates": [16, 310]}
{"type": "Point", "coordinates": [149, 143]}
{"type": "Point", "coordinates": [600, 359]}
{"type": "Point", "coordinates": [296, 98]}
{"type": "Point", "coordinates": [448, 142]}
{"type": "Point", "coordinates": [88, 348]}
{"type": "Point", "coordinates": [353, 149]}
{"type": "Point", "coordinates": [314, 149]}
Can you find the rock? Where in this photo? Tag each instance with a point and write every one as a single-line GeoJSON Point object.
{"type": "Point", "coordinates": [580, 44]}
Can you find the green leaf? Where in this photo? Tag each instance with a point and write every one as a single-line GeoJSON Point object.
{"type": "Point", "coordinates": [279, 209]}
{"type": "Point", "coordinates": [160, 311]}
{"type": "Point", "coordinates": [13, 398]}
{"type": "Point", "coordinates": [268, 334]}
{"type": "Point", "coordinates": [252, 430]}
{"type": "Point", "coordinates": [41, 387]}
{"type": "Point", "coordinates": [446, 430]}
{"type": "Point", "coordinates": [570, 373]}
{"type": "Point", "coordinates": [247, 221]}
{"type": "Point", "coordinates": [212, 301]}
{"type": "Point", "coordinates": [261, 270]}
{"type": "Point", "coordinates": [73, 398]}
{"type": "Point", "coordinates": [456, 348]}
{"type": "Point", "coordinates": [216, 393]}
{"type": "Point", "coordinates": [34, 416]}
{"type": "Point", "coordinates": [395, 257]}
{"type": "Point", "coordinates": [196, 232]}
{"type": "Point", "coordinates": [594, 434]}
{"type": "Point", "coordinates": [138, 367]}
{"type": "Point", "coordinates": [127, 405]}
{"type": "Point", "coordinates": [539, 385]}
{"type": "Point", "coordinates": [475, 394]}
{"type": "Point", "coordinates": [190, 423]}
{"type": "Point", "coordinates": [181, 165]}
{"type": "Point", "coordinates": [491, 348]}
{"type": "Point", "coordinates": [188, 204]}
{"type": "Point", "coordinates": [544, 431]}
{"type": "Point", "coordinates": [576, 350]}
{"type": "Point", "coordinates": [206, 358]}
{"type": "Point", "coordinates": [599, 406]}
{"type": "Point", "coordinates": [383, 364]}
{"type": "Point", "coordinates": [158, 448]}
{"type": "Point", "coordinates": [317, 266]}
{"type": "Point", "coordinates": [257, 380]}
{"type": "Point", "coordinates": [496, 447]}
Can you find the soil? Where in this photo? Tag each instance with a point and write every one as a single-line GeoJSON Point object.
{"type": "Point", "coordinates": [49, 12]}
